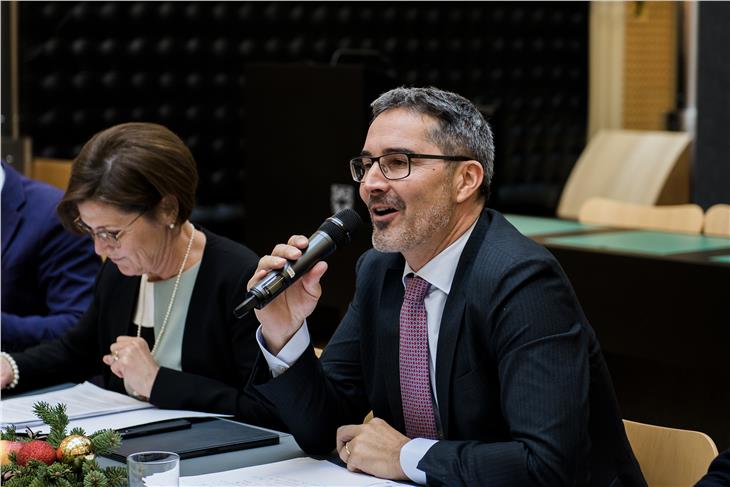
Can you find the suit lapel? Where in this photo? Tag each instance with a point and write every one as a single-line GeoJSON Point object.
{"type": "Point", "coordinates": [13, 198]}
{"type": "Point", "coordinates": [452, 320]}
{"type": "Point", "coordinates": [388, 332]}
{"type": "Point", "coordinates": [125, 298]}
{"type": "Point", "coordinates": [199, 303]}
{"type": "Point", "coordinates": [121, 303]}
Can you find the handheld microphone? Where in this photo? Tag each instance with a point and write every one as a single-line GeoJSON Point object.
{"type": "Point", "coordinates": [334, 233]}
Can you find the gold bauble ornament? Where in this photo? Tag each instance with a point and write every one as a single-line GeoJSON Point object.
{"type": "Point", "coordinates": [73, 446]}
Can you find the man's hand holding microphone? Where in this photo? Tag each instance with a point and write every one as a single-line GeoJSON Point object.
{"type": "Point", "coordinates": [285, 288]}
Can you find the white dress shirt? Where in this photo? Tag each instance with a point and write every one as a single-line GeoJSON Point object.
{"type": "Point", "coordinates": [439, 273]}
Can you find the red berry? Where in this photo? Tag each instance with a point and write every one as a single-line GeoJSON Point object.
{"type": "Point", "coordinates": [36, 450]}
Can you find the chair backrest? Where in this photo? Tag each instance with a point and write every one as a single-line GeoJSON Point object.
{"type": "Point", "coordinates": [55, 172]}
{"type": "Point", "coordinates": [644, 167]}
{"type": "Point", "coordinates": [686, 218]}
{"type": "Point", "coordinates": [717, 221]}
{"type": "Point", "coordinates": [670, 457]}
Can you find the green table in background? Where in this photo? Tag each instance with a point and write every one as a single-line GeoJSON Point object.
{"type": "Point", "coordinates": [535, 225]}
{"type": "Point", "coordinates": [569, 233]}
{"type": "Point", "coordinates": [660, 305]}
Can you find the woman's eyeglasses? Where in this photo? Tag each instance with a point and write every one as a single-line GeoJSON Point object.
{"type": "Point", "coordinates": [107, 237]}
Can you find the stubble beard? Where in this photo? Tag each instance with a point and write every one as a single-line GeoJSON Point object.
{"type": "Point", "coordinates": [413, 230]}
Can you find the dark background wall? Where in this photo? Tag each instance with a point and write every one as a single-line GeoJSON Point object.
{"type": "Point", "coordinates": [88, 65]}
{"type": "Point", "coordinates": [256, 90]}
{"type": "Point", "coordinates": [5, 80]}
{"type": "Point", "coordinates": [270, 148]}
{"type": "Point", "coordinates": [712, 146]}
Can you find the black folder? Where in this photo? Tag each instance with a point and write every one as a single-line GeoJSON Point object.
{"type": "Point", "coordinates": [203, 436]}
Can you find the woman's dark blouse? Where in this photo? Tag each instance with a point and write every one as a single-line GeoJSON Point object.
{"type": "Point", "coordinates": [218, 350]}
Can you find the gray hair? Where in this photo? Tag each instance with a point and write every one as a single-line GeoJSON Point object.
{"type": "Point", "coordinates": [462, 130]}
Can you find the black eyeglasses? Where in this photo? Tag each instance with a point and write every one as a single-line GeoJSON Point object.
{"type": "Point", "coordinates": [396, 165]}
{"type": "Point", "coordinates": [110, 238]}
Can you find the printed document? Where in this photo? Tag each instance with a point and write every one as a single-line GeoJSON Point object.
{"type": "Point", "coordinates": [89, 407]}
{"type": "Point", "coordinates": [82, 401]}
{"type": "Point", "coordinates": [297, 472]}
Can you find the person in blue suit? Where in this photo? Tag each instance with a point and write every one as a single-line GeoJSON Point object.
{"type": "Point", "coordinates": [464, 337]}
{"type": "Point", "coordinates": [47, 273]}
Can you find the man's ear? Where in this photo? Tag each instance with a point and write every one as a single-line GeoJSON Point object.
{"type": "Point", "coordinates": [468, 179]}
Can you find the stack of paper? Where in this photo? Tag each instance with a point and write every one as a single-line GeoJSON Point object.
{"type": "Point", "coordinates": [82, 401]}
{"type": "Point", "coordinates": [89, 407]}
{"type": "Point", "coordinates": [297, 472]}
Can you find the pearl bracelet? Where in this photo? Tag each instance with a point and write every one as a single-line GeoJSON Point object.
{"type": "Point", "coordinates": [13, 367]}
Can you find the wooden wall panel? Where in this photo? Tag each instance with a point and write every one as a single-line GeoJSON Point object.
{"type": "Point", "coordinates": [650, 64]}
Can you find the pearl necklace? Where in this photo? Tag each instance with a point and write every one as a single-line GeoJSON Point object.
{"type": "Point", "coordinates": [172, 298]}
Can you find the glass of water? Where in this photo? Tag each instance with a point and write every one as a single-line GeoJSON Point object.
{"type": "Point", "coordinates": [153, 469]}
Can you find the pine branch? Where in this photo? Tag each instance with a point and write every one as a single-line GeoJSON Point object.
{"type": "Point", "coordinates": [77, 431]}
{"type": "Point", "coordinates": [56, 418]}
{"type": "Point", "coordinates": [37, 482]}
{"type": "Point", "coordinates": [58, 470]}
{"type": "Point", "coordinates": [117, 476]}
{"type": "Point", "coordinates": [88, 467]}
{"type": "Point", "coordinates": [105, 441]}
{"type": "Point", "coordinates": [8, 433]}
{"type": "Point", "coordinates": [95, 478]}
{"type": "Point", "coordinates": [15, 482]}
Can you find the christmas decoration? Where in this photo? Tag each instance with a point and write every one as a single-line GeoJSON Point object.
{"type": "Point", "coordinates": [73, 446]}
{"type": "Point", "coordinates": [35, 463]}
{"type": "Point", "coordinates": [38, 450]}
{"type": "Point", "coordinates": [6, 448]}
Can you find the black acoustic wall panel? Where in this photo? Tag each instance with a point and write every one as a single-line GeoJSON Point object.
{"type": "Point", "coordinates": [87, 65]}
{"type": "Point", "coordinates": [712, 149]}
{"type": "Point", "coordinates": [305, 123]}
{"type": "Point", "coordinates": [6, 78]}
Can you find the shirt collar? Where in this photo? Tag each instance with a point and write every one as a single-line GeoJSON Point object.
{"type": "Point", "coordinates": [440, 271]}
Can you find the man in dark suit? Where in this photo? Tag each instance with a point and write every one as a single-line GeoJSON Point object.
{"type": "Point", "coordinates": [464, 337]}
{"type": "Point", "coordinates": [718, 475]}
{"type": "Point", "coordinates": [47, 273]}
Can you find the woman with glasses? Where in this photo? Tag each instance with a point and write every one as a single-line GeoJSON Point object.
{"type": "Point", "coordinates": [161, 326]}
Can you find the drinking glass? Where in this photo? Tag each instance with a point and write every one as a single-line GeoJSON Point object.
{"type": "Point", "coordinates": [153, 469]}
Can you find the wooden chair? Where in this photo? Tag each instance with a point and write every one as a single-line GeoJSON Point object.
{"type": "Point", "coordinates": [717, 221]}
{"type": "Point", "coordinates": [686, 218]}
{"type": "Point", "coordinates": [636, 166]}
{"type": "Point", "coordinates": [55, 172]}
{"type": "Point", "coordinates": [670, 457]}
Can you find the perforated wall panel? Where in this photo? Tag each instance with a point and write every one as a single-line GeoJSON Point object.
{"type": "Point", "coordinates": [88, 65]}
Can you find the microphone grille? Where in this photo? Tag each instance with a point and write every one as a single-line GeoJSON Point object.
{"type": "Point", "coordinates": [341, 226]}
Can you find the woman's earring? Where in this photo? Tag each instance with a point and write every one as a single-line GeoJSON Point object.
{"type": "Point", "coordinates": [172, 225]}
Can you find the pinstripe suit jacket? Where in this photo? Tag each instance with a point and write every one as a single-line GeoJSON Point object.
{"type": "Point", "coordinates": [523, 391]}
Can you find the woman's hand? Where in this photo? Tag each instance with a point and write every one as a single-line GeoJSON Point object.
{"type": "Point", "coordinates": [130, 359]}
{"type": "Point", "coordinates": [6, 373]}
{"type": "Point", "coordinates": [283, 316]}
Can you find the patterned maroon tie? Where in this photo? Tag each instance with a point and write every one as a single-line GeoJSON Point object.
{"type": "Point", "coordinates": [415, 384]}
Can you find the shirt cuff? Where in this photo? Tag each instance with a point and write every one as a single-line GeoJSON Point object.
{"type": "Point", "coordinates": [412, 453]}
{"type": "Point", "coordinates": [291, 352]}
